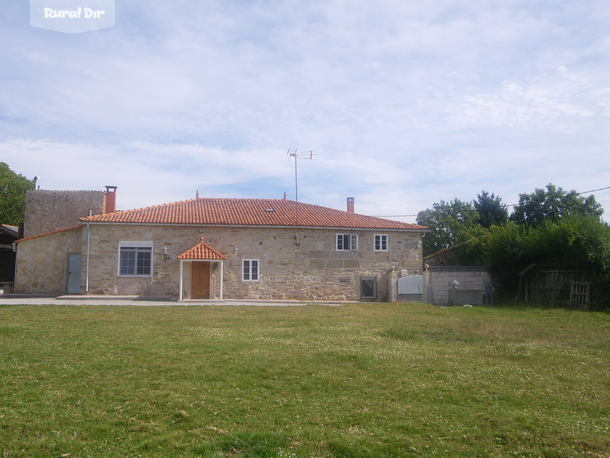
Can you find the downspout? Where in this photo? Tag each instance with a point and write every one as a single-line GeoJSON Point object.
{"type": "Point", "coordinates": [181, 274]}
{"type": "Point", "coordinates": [87, 260]}
{"type": "Point", "coordinates": [222, 264]}
{"type": "Point", "coordinates": [14, 266]}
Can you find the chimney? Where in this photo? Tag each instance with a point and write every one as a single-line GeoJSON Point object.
{"type": "Point", "coordinates": [350, 205]}
{"type": "Point", "coordinates": [110, 199]}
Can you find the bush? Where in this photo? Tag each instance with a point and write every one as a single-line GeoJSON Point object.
{"type": "Point", "coordinates": [574, 241]}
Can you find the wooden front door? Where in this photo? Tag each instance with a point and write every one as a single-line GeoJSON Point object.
{"type": "Point", "coordinates": [200, 280]}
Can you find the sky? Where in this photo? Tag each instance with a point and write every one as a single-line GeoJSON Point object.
{"type": "Point", "coordinates": [404, 103]}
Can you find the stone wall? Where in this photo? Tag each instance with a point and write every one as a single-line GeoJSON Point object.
{"type": "Point", "coordinates": [42, 263]}
{"type": "Point", "coordinates": [49, 210]}
{"type": "Point", "coordinates": [294, 264]}
{"type": "Point", "coordinates": [439, 280]}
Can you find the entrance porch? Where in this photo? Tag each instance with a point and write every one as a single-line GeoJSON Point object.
{"type": "Point", "coordinates": [201, 273]}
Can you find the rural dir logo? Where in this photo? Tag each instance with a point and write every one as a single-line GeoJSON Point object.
{"type": "Point", "coordinates": [72, 16]}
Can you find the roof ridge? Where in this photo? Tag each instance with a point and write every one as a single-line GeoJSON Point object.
{"type": "Point", "coordinates": [65, 190]}
{"type": "Point", "coordinates": [194, 199]}
{"type": "Point", "coordinates": [87, 218]}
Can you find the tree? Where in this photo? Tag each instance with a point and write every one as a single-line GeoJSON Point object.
{"type": "Point", "coordinates": [449, 223]}
{"type": "Point", "coordinates": [575, 240]}
{"type": "Point", "coordinates": [13, 187]}
{"type": "Point", "coordinates": [490, 208]}
{"type": "Point", "coordinates": [553, 204]}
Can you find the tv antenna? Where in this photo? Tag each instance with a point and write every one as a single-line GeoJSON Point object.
{"type": "Point", "coordinates": [296, 154]}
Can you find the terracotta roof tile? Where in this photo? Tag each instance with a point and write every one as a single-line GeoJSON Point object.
{"type": "Point", "coordinates": [249, 212]}
{"type": "Point", "coordinates": [202, 251]}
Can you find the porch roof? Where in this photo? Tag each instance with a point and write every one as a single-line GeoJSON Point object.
{"type": "Point", "coordinates": [202, 251]}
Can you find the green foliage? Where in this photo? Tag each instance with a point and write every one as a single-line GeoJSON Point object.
{"type": "Point", "coordinates": [490, 208]}
{"type": "Point", "coordinates": [553, 204]}
{"type": "Point", "coordinates": [449, 224]}
{"type": "Point", "coordinates": [549, 227]}
{"type": "Point", "coordinates": [12, 195]}
{"type": "Point", "coordinates": [582, 241]}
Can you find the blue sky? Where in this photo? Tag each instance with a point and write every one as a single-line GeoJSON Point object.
{"type": "Point", "coordinates": [405, 103]}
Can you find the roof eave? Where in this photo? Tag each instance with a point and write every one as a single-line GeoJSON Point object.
{"type": "Point", "coordinates": [269, 226]}
{"type": "Point", "coordinates": [46, 234]}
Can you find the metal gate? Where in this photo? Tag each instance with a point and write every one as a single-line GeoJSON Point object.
{"type": "Point", "coordinates": [73, 278]}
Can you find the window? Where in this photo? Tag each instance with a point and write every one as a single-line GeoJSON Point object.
{"type": "Point", "coordinates": [250, 270]}
{"type": "Point", "coordinates": [381, 242]}
{"type": "Point", "coordinates": [347, 242]}
{"type": "Point", "coordinates": [135, 259]}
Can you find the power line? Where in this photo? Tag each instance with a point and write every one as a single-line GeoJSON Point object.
{"type": "Point", "coordinates": [578, 193]}
{"type": "Point", "coordinates": [593, 190]}
{"type": "Point", "coordinates": [511, 205]}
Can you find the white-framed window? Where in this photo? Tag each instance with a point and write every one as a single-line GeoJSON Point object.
{"type": "Point", "coordinates": [135, 259]}
{"type": "Point", "coordinates": [249, 270]}
{"type": "Point", "coordinates": [380, 242]}
{"type": "Point", "coordinates": [347, 242]}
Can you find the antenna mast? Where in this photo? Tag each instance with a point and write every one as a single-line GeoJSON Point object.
{"type": "Point", "coordinates": [294, 153]}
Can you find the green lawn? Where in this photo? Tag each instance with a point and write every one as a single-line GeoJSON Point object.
{"type": "Point", "coordinates": [357, 380]}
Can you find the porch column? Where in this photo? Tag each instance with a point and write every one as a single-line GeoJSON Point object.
{"type": "Point", "coordinates": [221, 275]}
{"type": "Point", "coordinates": [181, 272]}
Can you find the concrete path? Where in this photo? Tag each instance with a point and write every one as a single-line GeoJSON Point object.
{"type": "Point", "coordinates": [134, 301]}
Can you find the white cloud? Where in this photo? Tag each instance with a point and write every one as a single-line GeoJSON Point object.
{"type": "Point", "coordinates": [406, 103]}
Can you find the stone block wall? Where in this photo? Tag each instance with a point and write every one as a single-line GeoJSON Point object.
{"type": "Point", "coordinates": [439, 280]}
{"type": "Point", "coordinates": [294, 264]}
{"type": "Point", "coordinates": [50, 210]}
{"type": "Point", "coordinates": [42, 263]}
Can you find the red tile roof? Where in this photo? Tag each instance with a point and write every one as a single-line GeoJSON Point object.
{"type": "Point", "coordinates": [44, 234]}
{"type": "Point", "coordinates": [249, 212]}
{"type": "Point", "coordinates": [202, 251]}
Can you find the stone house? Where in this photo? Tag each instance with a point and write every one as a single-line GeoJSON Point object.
{"type": "Point", "coordinates": [218, 248]}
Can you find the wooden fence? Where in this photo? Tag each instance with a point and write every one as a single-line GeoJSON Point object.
{"type": "Point", "coordinates": [557, 286]}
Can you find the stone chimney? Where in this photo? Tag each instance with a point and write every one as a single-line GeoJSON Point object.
{"type": "Point", "coordinates": [350, 205]}
{"type": "Point", "coordinates": [110, 199]}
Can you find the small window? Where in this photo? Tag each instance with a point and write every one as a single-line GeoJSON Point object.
{"type": "Point", "coordinates": [381, 242]}
{"type": "Point", "coordinates": [135, 259]}
{"type": "Point", "coordinates": [347, 242]}
{"type": "Point", "coordinates": [250, 270]}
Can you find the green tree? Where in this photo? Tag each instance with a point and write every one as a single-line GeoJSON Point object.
{"type": "Point", "coordinates": [553, 204]}
{"type": "Point", "coordinates": [575, 240]}
{"type": "Point", "coordinates": [449, 223]}
{"type": "Point", "coordinates": [13, 187]}
{"type": "Point", "coordinates": [490, 208]}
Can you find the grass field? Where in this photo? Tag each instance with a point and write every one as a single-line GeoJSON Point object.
{"type": "Point", "coordinates": [357, 380]}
